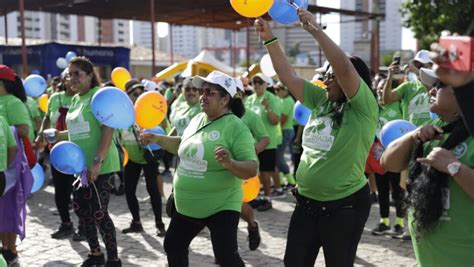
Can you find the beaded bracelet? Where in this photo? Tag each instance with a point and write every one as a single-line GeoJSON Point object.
{"type": "Point", "coordinates": [271, 41]}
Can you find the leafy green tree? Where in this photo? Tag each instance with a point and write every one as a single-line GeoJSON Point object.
{"type": "Point", "coordinates": [427, 18]}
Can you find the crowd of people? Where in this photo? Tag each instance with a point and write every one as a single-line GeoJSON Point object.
{"type": "Point", "coordinates": [221, 130]}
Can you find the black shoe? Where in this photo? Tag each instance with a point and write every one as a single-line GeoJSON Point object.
{"type": "Point", "coordinates": [397, 231]}
{"type": "Point", "coordinates": [278, 193]}
{"type": "Point", "coordinates": [255, 203]}
{"type": "Point", "coordinates": [265, 205]}
{"type": "Point", "coordinates": [404, 235]}
{"type": "Point", "coordinates": [134, 228]}
{"type": "Point", "coordinates": [381, 229]}
{"type": "Point", "coordinates": [254, 237]}
{"type": "Point", "coordinates": [117, 263]}
{"type": "Point", "coordinates": [64, 230]}
{"type": "Point", "coordinates": [92, 260]}
{"type": "Point", "coordinates": [120, 191]}
{"type": "Point", "coordinates": [374, 198]}
{"type": "Point", "coordinates": [160, 229]}
{"type": "Point", "coordinates": [10, 257]}
{"type": "Point", "coordinates": [79, 235]}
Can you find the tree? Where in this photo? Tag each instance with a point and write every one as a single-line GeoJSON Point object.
{"type": "Point", "coordinates": [427, 18]}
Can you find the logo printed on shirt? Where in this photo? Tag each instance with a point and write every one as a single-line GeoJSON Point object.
{"type": "Point", "coordinates": [213, 135]}
{"type": "Point", "coordinates": [419, 106]}
{"type": "Point", "coordinates": [192, 159]}
{"type": "Point", "coordinates": [460, 150]}
{"type": "Point", "coordinates": [317, 135]}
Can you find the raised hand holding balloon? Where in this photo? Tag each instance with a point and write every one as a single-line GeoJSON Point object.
{"type": "Point", "coordinates": [285, 11]}
{"type": "Point", "coordinates": [251, 8]}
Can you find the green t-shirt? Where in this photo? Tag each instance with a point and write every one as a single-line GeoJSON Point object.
{"type": "Point", "coordinates": [202, 187]}
{"type": "Point", "coordinates": [6, 141]}
{"type": "Point", "coordinates": [183, 115]}
{"type": "Point", "coordinates": [168, 93]}
{"type": "Point", "coordinates": [253, 103]}
{"type": "Point", "coordinates": [451, 242]}
{"type": "Point", "coordinates": [129, 141]}
{"type": "Point", "coordinates": [333, 161]}
{"type": "Point", "coordinates": [85, 130]}
{"type": "Point", "coordinates": [33, 112]}
{"type": "Point", "coordinates": [287, 109]}
{"type": "Point", "coordinates": [255, 125]}
{"type": "Point", "coordinates": [14, 111]}
{"type": "Point", "coordinates": [56, 101]}
{"type": "Point", "coordinates": [388, 113]}
{"type": "Point", "coordinates": [415, 102]}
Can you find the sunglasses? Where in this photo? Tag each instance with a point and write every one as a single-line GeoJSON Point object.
{"type": "Point", "coordinates": [189, 89]}
{"type": "Point", "coordinates": [257, 82]}
{"type": "Point", "coordinates": [279, 89]}
{"type": "Point", "coordinates": [208, 91]}
{"type": "Point", "coordinates": [329, 77]}
{"type": "Point", "coordinates": [136, 93]}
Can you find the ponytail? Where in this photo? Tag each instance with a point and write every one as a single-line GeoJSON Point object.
{"type": "Point", "coordinates": [15, 88]}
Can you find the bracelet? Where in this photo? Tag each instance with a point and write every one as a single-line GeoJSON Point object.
{"type": "Point", "coordinates": [271, 41]}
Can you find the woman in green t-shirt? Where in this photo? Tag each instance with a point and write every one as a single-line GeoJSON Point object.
{"type": "Point", "coordinates": [216, 152]}
{"type": "Point", "coordinates": [440, 184]}
{"type": "Point", "coordinates": [332, 194]}
{"type": "Point", "coordinates": [183, 114]}
{"type": "Point", "coordinates": [91, 203]}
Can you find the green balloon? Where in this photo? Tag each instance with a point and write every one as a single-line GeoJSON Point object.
{"type": "Point", "coordinates": [3, 263]}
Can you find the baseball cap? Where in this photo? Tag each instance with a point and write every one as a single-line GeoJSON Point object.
{"type": "Point", "coordinates": [7, 74]}
{"type": "Point", "coordinates": [132, 85]}
{"type": "Point", "coordinates": [219, 78]}
{"type": "Point", "coordinates": [428, 76]}
{"type": "Point", "coordinates": [423, 56]}
{"type": "Point", "coordinates": [239, 84]}
{"type": "Point", "coordinates": [150, 85]}
{"type": "Point", "coordinates": [263, 77]}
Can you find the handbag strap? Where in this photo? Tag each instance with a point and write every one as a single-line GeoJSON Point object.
{"type": "Point", "coordinates": [136, 138]}
{"type": "Point", "coordinates": [206, 125]}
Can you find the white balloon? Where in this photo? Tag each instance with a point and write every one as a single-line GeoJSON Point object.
{"type": "Point", "coordinates": [266, 66]}
{"type": "Point", "coordinates": [61, 63]}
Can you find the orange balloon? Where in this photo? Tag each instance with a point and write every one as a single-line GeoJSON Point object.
{"type": "Point", "coordinates": [120, 76]}
{"type": "Point", "coordinates": [150, 109]}
{"type": "Point", "coordinates": [250, 188]}
{"type": "Point", "coordinates": [125, 156]}
{"type": "Point", "coordinates": [319, 83]}
{"type": "Point", "coordinates": [43, 103]}
{"type": "Point", "coordinates": [251, 8]}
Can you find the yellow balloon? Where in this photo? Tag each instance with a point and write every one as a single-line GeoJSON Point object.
{"type": "Point", "coordinates": [150, 109]}
{"type": "Point", "coordinates": [319, 83]}
{"type": "Point", "coordinates": [120, 76]}
{"type": "Point", "coordinates": [250, 188]}
{"type": "Point", "coordinates": [43, 103]}
{"type": "Point", "coordinates": [125, 156]}
{"type": "Point", "coordinates": [251, 8]}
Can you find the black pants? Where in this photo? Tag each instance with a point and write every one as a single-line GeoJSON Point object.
{"type": "Point", "coordinates": [132, 175]}
{"type": "Point", "coordinates": [398, 194]}
{"type": "Point", "coordinates": [335, 225]}
{"type": "Point", "coordinates": [62, 193]}
{"type": "Point", "coordinates": [91, 207]}
{"type": "Point", "coordinates": [167, 159]}
{"type": "Point", "coordinates": [183, 229]}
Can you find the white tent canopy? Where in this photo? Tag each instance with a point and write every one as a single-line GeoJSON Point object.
{"type": "Point", "coordinates": [206, 57]}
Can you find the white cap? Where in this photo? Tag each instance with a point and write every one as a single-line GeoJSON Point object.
{"type": "Point", "coordinates": [219, 78]}
{"type": "Point", "coordinates": [264, 78]}
{"type": "Point", "coordinates": [423, 56]}
{"type": "Point", "coordinates": [239, 84]}
{"type": "Point", "coordinates": [428, 76]}
{"type": "Point", "coordinates": [150, 85]}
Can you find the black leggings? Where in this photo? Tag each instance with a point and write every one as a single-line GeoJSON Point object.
{"type": "Point", "coordinates": [132, 175]}
{"type": "Point", "coordinates": [398, 194]}
{"type": "Point", "coordinates": [334, 225]}
{"type": "Point", "coordinates": [223, 228]}
{"type": "Point", "coordinates": [91, 207]}
{"type": "Point", "coordinates": [62, 193]}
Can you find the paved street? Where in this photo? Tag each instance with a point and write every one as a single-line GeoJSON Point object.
{"type": "Point", "coordinates": [146, 249]}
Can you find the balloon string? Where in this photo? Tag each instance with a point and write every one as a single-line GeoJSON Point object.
{"type": "Point", "coordinates": [295, 5]}
{"type": "Point", "coordinates": [97, 194]}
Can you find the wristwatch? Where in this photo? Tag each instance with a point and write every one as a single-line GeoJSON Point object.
{"type": "Point", "coordinates": [454, 167]}
{"type": "Point", "coordinates": [98, 159]}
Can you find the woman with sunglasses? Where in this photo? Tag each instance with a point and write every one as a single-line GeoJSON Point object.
{"type": "Point", "coordinates": [135, 165]}
{"type": "Point", "coordinates": [91, 202]}
{"type": "Point", "coordinates": [216, 153]}
{"type": "Point", "coordinates": [333, 201]}
{"type": "Point", "coordinates": [181, 117]}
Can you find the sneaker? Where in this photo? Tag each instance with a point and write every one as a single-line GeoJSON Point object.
{"type": "Point", "coordinates": [10, 257]}
{"type": "Point", "coordinates": [254, 237]}
{"type": "Point", "coordinates": [265, 205]}
{"type": "Point", "coordinates": [134, 228]}
{"type": "Point", "coordinates": [64, 230]}
{"type": "Point", "coordinates": [381, 229]}
{"type": "Point", "coordinates": [92, 260]}
{"type": "Point", "coordinates": [374, 198]}
{"type": "Point", "coordinates": [255, 203]}
{"type": "Point", "coordinates": [79, 235]}
{"type": "Point", "coordinates": [397, 230]}
{"type": "Point", "coordinates": [120, 191]}
{"type": "Point", "coordinates": [404, 235]}
{"type": "Point", "coordinates": [278, 193]}
{"type": "Point", "coordinates": [160, 229]}
{"type": "Point", "coordinates": [117, 263]}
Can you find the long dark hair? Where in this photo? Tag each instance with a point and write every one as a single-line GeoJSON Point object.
{"type": "Point", "coordinates": [87, 66]}
{"type": "Point", "coordinates": [235, 105]}
{"type": "Point", "coordinates": [426, 185]}
{"type": "Point", "coordinates": [15, 88]}
{"type": "Point", "coordinates": [364, 73]}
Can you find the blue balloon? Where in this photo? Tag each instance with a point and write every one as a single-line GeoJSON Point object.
{"type": "Point", "coordinates": [70, 55]}
{"type": "Point", "coordinates": [38, 178]}
{"type": "Point", "coordinates": [157, 130]}
{"type": "Point", "coordinates": [433, 115]}
{"type": "Point", "coordinates": [394, 130]}
{"type": "Point", "coordinates": [35, 85]}
{"type": "Point", "coordinates": [68, 158]}
{"type": "Point", "coordinates": [301, 113]}
{"type": "Point", "coordinates": [284, 11]}
{"type": "Point", "coordinates": [112, 107]}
